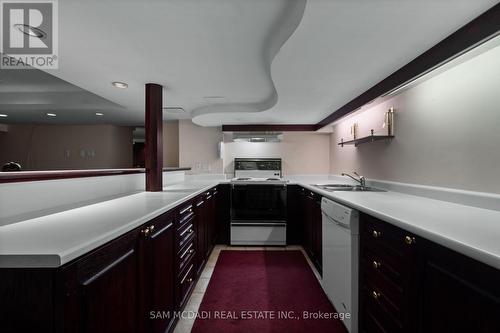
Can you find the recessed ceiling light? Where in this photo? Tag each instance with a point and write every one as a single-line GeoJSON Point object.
{"type": "Point", "coordinates": [215, 99]}
{"type": "Point", "coordinates": [3, 115]}
{"type": "Point", "coordinates": [121, 85]}
{"type": "Point", "coordinates": [99, 114]}
{"type": "Point", "coordinates": [30, 31]}
{"type": "Point", "coordinates": [51, 114]}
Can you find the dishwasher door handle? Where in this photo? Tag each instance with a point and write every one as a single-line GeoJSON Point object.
{"type": "Point", "coordinates": [340, 224]}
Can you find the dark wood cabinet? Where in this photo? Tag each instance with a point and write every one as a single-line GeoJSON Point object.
{"type": "Point", "coordinates": [103, 288]}
{"type": "Point", "coordinates": [312, 241]}
{"type": "Point", "coordinates": [316, 221]}
{"type": "Point", "coordinates": [201, 237]}
{"type": "Point", "coordinates": [185, 245]}
{"type": "Point", "coordinates": [223, 213]}
{"type": "Point", "coordinates": [307, 225]}
{"type": "Point", "coordinates": [196, 236]}
{"type": "Point", "coordinates": [410, 284]}
{"type": "Point", "coordinates": [117, 286]}
{"type": "Point", "coordinates": [387, 277]}
{"type": "Point", "coordinates": [457, 293]}
{"type": "Point", "coordinates": [294, 224]}
{"type": "Point", "coordinates": [210, 220]}
{"type": "Point", "coordinates": [130, 284]}
{"type": "Point", "coordinates": [159, 284]}
{"type": "Point", "coordinates": [206, 206]}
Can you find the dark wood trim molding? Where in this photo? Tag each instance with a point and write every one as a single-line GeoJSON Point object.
{"type": "Point", "coordinates": [474, 32]}
{"type": "Point", "coordinates": [31, 176]}
{"type": "Point", "coordinates": [28, 176]}
{"type": "Point", "coordinates": [154, 137]}
{"type": "Point", "coordinates": [478, 30]}
{"type": "Point", "coordinates": [269, 128]}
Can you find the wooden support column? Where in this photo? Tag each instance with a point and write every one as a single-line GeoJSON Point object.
{"type": "Point", "coordinates": [154, 137]}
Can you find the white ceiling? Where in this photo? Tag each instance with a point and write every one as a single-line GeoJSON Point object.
{"type": "Point", "coordinates": [27, 95]}
{"type": "Point", "coordinates": [331, 51]}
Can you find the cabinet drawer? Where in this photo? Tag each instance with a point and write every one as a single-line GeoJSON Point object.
{"type": "Point", "coordinates": [185, 233]}
{"type": "Point", "coordinates": [186, 254]}
{"type": "Point", "coordinates": [186, 282]}
{"type": "Point", "coordinates": [389, 238]}
{"type": "Point", "coordinates": [378, 264]}
{"type": "Point", "coordinates": [380, 310]}
{"type": "Point", "coordinates": [185, 213]}
{"type": "Point", "coordinates": [376, 320]}
{"type": "Point", "coordinates": [389, 292]}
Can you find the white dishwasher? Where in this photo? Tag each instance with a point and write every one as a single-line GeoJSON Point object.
{"type": "Point", "coordinates": [340, 259]}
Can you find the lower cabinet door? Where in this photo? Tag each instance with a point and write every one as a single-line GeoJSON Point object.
{"type": "Point", "coordinates": [306, 204]}
{"type": "Point", "coordinates": [162, 276]}
{"type": "Point", "coordinates": [317, 235]}
{"type": "Point", "coordinates": [102, 294]}
{"type": "Point", "coordinates": [458, 293]}
{"type": "Point", "coordinates": [200, 234]}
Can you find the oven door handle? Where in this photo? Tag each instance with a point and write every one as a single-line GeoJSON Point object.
{"type": "Point", "coordinates": [258, 224]}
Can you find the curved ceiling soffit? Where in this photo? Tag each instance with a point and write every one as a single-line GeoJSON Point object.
{"type": "Point", "coordinates": [282, 30]}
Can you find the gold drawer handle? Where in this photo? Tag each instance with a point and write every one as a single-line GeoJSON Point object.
{"type": "Point", "coordinates": [376, 234]}
{"type": "Point", "coordinates": [145, 232]}
{"type": "Point", "coordinates": [375, 294]}
{"type": "Point", "coordinates": [148, 230]}
{"type": "Point", "coordinates": [410, 240]}
{"type": "Point", "coordinates": [376, 264]}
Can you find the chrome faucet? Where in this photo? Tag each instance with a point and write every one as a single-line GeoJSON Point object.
{"type": "Point", "coordinates": [361, 180]}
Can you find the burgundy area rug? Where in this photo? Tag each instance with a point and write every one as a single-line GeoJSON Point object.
{"type": "Point", "coordinates": [264, 291]}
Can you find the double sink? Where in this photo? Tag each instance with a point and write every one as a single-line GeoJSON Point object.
{"type": "Point", "coordinates": [347, 187]}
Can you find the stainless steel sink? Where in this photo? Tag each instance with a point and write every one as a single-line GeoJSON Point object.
{"type": "Point", "coordinates": [347, 187]}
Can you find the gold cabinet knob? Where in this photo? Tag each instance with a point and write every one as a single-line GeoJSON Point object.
{"type": "Point", "coordinates": [376, 234]}
{"type": "Point", "coordinates": [145, 232]}
{"type": "Point", "coordinates": [375, 294]}
{"type": "Point", "coordinates": [376, 264]}
{"type": "Point", "coordinates": [191, 251]}
{"type": "Point", "coordinates": [190, 280]}
{"type": "Point", "coordinates": [410, 240]}
{"type": "Point", "coordinates": [191, 231]}
{"type": "Point", "coordinates": [151, 228]}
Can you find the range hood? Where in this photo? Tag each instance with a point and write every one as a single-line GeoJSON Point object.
{"type": "Point", "coordinates": [256, 136]}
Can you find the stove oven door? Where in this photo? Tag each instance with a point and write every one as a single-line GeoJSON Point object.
{"type": "Point", "coordinates": [260, 203]}
{"type": "Point", "coordinates": [258, 214]}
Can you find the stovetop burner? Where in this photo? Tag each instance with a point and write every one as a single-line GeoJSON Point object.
{"type": "Point", "coordinates": [252, 180]}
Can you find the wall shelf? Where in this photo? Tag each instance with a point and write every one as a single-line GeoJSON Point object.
{"type": "Point", "coordinates": [366, 139]}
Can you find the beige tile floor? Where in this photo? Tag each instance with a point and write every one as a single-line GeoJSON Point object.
{"type": "Point", "coordinates": [193, 304]}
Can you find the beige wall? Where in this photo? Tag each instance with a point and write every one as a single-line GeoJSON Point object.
{"type": "Point", "coordinates": [171, 143]}
{"type": "Point", "coordinates": [55, 147]}
{"type": "Point", "coordinates": [301, 152]}
{"type": "Point", "coordinates": [198, 147]}
{"type": "Point", "coordinates": [447, 131]}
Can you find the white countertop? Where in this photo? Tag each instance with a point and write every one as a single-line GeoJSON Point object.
{"type": "Point", "coordinates": [56, 239]}
{"type": "Point", "coordinates": [474, 232]}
